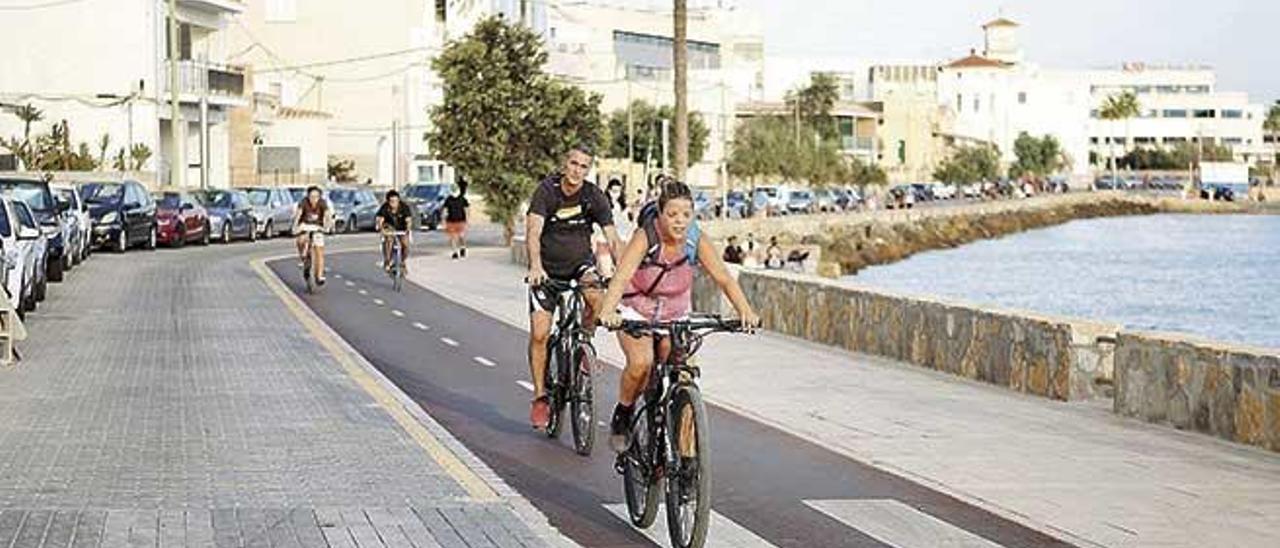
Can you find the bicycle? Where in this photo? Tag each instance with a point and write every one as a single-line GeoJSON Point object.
{"type": "Point", "coordinates": [307, 274]}
{"type": "Point", "coordinates": [570, 344]}
{"type": "Point", "coordinates": [397, 258]}
{"type": "Point", "coordinates": [657, 452]}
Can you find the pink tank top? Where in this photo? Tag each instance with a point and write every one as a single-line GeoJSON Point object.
{"type": "Point", "coordinates": [672, 297]}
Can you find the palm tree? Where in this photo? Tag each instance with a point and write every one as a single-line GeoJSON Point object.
{"type": "Point", "coordinates": [1122, 106]}
{"type": "Point", "coordinates": [1272, 126]}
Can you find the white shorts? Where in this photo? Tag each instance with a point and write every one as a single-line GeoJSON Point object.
{"type": "Point", "coordinates": [318, 239]}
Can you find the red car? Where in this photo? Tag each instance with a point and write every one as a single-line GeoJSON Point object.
{"type": "Point", "coordinates": [180, 219]}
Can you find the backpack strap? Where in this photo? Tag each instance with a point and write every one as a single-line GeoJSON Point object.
{"type": "Point", "coordinates": [648, 220]}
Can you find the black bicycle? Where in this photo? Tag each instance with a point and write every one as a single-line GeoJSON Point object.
{"type": "Point", "coordinates": [396, 267]}
{"type": "Point", "coordinates": [571, 357]}
{"type": "Point", "coordinates": [307, 274]}
{"type": "Point", "coordinates": [669, 436]}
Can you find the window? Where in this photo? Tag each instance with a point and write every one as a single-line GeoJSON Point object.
{"type": "Point", "coordinates": [1142, 90]}
{"type": "Point", "coordinates": [1150, 113]}
{"type": "Point", "coordinates": [1093, 140]}
{"type": "Point", "coordinates": [1118, 140]}
{"type": "Point", "coordinates": [1174, 140]}
{"type": "Point", "coordinates": [977, 104]}
{"type": "Point", "coordinates": [286, 11]}
{"type": "Point", "coordinates": [1197, 89]}
{"type": "Point", "coordinates": [1233, 113]}
{"type": "Point", "coordinates": [442, 11]}
{"type": "Point", "coordinates": [5, 230]}
{"type": "Point", "coordinates": [1094, 114]}
{"type": "Point", "coordinates": [1207, 113]}
{"type": "Point", "coordinates": [959, 102]}
{"type": "Point", "coordinates": [1232, 140]}
{"type": "Point", "coordinates": [1144, 140]}
{"type": "Point", "coordinates": [1167, 89]}
{"type": "Point", "coordinates": [1268, 139]}
{"type": "Point", "coordinates": [1174, 113]}
{"type": "Point", "coordinates": [1022, 97]}
{"type": "Point", "coordinates": [25, 219]}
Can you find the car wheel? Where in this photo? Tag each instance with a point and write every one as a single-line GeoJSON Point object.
{"type": "Point", "coordinates": [56, 269]}
{"type": "Point", "coordinates": [181, 239]}
{"type": "Point", "coordinates": [122, 240]}
{"type": "Point", "coordinates": [151, 239]}
{"type": "Point", "coordinates": [206, 235]}
{"type": "Point", "coordinates": [42, 286]}
{"type": "Point", "coordinates": [253, 231]}
{"type": "Point", "coordinates": [27, 302]}
{"type": "Point", "coordinates": [226, 233]}
{"type": "Point", "coordinates": [351, 224]}
{"type": "Point", "coordinates": [270, 231]}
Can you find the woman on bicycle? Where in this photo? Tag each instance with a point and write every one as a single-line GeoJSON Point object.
{"type": "Point", "coordinates": [313, 216]}
{"type": "Point", "coordinates": [394, 216]}
{"type": "Point", "coordinates": [654, 282]}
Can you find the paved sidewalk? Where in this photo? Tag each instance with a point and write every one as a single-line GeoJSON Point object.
{"type": "Point", "coordinates": [172, 399]}
{"type": "Point", "coordinates": [1073, 470]}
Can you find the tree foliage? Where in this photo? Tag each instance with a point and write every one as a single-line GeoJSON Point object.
{"type": "Point", "coordinates": [1272, 123]}
{"type": "Point", "coordinates": [646, 124]}
{"type": "Point", "coordinates": [342, 171]}
{"type": "Point", "coordinates": [815, 102]}
{"type": "Point", "coordinates": [505, 123]}
{"type": "Point", "coordinates": [1182, 156]}
{"type": "Point", "coordinates": [969, 165]}
{"type": "Point", "coordinates": [794, 149]}
{"type": "Point", "coordinates": [1037, 156]}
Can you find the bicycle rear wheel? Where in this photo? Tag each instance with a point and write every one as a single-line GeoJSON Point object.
{"type": "Point", "coordinates": [640, 482]}
{"type": "Point", "coordinates": [306, 273]}
{"type": "Point", "coordinates": [557, 366]}
{"type": "Point", "coordinates": [582, 406]}
{"type": "Point", "coordinates": [397, 269]}
{"type": "Point", "coordinates": [689, 474]}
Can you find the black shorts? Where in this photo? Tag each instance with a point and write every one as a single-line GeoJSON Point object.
{"type": "Point", "coordinates": [542, 299]}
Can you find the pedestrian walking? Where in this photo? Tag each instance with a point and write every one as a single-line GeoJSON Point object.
{"type": "Point", "coordinates": [456, 212]}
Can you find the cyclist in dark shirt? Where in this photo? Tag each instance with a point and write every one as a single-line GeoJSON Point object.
{"type": "Point", "coordinates": [562, 213]}
{"type": "Point", "coordinates": [394, 216]}
{"type": "Point", "coordinates": [455, 220]}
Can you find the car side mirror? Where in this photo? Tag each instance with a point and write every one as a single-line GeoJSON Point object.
{"type": "Point", "coordinates": [28, 233]}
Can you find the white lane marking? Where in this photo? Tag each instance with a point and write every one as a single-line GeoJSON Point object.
{"type": "Point", "coordinates": [397, 313]}
{"type": "Point", "coordinates": [898, 524]}
{"type": "Point", "coordinates": [420, 326]}
{"type": "Point", "coordinates": [723, 532]}
{"type": "Point", "coordinates": [379, 302]}
{"type": "Point", "coordinates": [337, 276]}
{"type": "Point", "coordinates": [350, 283]}
{"type": "Point", "coordinates": [525, 385]}
{"type": "Point", "coordinates": [364, 292]}
{"type": "Point", "coordinates": [602, 423]}
{"type": "Point", "coordinates": [448, 341]}
{"type": "Point", "coordinates": [485, 361]}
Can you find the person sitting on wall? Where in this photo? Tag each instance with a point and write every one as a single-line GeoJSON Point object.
{"type": "Point", "coordinates": [733, 253]}
{"type": "Point", "coordinates": [773, 256]}
{"type": "Point", "coordinates": [796, 259]}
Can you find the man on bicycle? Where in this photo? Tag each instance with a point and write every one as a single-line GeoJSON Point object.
{"type": "Point", "coordinates": [312, 218]}
{"type": "Point", "coordinates": [562, 213]}
{"type": "Point", "coordinates": [654, 282]}
{"type": "Point", "coordinates": [394, 216]}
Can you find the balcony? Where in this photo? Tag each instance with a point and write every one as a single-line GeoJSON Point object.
{"type": "Point", "coordinates": [196, 78]}
{"type": "Point", "coordinates": [856, 144]}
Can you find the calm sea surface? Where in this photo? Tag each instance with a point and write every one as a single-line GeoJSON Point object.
{"type": "Point", "coordinates": [1213, 276]}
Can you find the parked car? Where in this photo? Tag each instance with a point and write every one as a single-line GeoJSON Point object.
{"type": "Point", "coordinates": [735, 204]}
{"type": "Point", "coordinates": [21, 258]}
{"type": "Point", "coordinates": [78, 211]}
{"type": "Point", "coordinates": [181, 219]}
{"type": "Point", "coordinates": [354, 209]}
{"type": "Point", "coordinates": [800, 201]}
{"type": "Point", "coordinates": [703, 205]}
{"type": "Point", "coordinates": [35, 192]}
{"type": "Point", "coordinates": [941, 191]}
{"type": "Point", "coordinates": [30, 228]}
{"type": "Point", "coordinates": [230, 215]}
{"type": "Point", "coordinates": [124, 215]}
{"type": "Point", "coordinates": [824, 200]}
{"type": "Point", "coordinates": [427, 200]}
{"type": "Point", "coordinates": [272, 210]}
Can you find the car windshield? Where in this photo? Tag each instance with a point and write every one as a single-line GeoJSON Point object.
{"type": "Point", "coordinates": [424, 192]}
{"type": "Point", "coordinates": [342, 196]}
{"type": "Point", "coordinates": [259, 196]}
{"type": "Point", "coordinates": [5, 229]}
{"type": "Point", "coordinates": [67, 194]}
{"type": "Point", "coordinates": [297, 193]}
{"type": "Point", "coordinates": [800, 196]}
{"type": "Point", "coordinates": [33, 194]}
{"type": "Point", "coordinates": [169, 200]}
{"type": "Point", "coordinates": [220, 199]}
{"type": "Point", "coordinates": [103, 193]}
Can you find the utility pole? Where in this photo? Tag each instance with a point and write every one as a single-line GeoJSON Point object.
{"type": "Point", "coordinates": [177, 164]}
{"type": "Point", "coordinates": [631, 126]}
{"type": "Point", "coordinates": [666, 146]}
{"type": "Point", "coordinates": [682, 87]}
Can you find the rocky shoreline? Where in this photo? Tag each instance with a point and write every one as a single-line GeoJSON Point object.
{"type": "Point", "coordinates": [850, 243]}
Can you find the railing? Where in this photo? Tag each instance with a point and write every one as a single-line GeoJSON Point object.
{"type": "Point", "coordinates": [194, 77]}
{"type": "Point", "coordinates": [859, 144]}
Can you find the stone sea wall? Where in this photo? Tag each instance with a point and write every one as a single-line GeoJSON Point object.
{"type": "Point", "coordinates": [1050, 357]}
{"type": "Point", "coordinates": [1232, 392]}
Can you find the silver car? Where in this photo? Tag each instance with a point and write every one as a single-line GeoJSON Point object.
{"type": "Point", "coordinates": [272, 210]}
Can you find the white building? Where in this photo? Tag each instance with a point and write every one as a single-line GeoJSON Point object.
{"type": "Point", "coordinates": [102, 66]}
{"type": "Point", "coordinates": [1177, 105]}
{"type": "Point", "coordinates": [994, 96]}
{"type": "Point", "coordinates": [624, 54]}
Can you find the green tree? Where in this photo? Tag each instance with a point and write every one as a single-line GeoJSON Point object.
{"type": "Point", "coordinates": [969, 165]}
{"type": "Point", "coordinates": [505, 123]}
{"type": "Point", "coordinates": [1272, 125]}
{"type": "Point", "coordinates": [1121, 106]}
{"type": "Point", "coordinates": [646, 132]}
{"type": "Point", "coordinates": [813, 104]}
{"type": "Point", "coordinates": [342, 171]}
{"type": "Point", "coordinates": [24, 149]}
{"type": "Point", "coordinates": [1037, 157]}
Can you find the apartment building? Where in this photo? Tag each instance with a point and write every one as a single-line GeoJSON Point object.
{"type": "Point", "coordinates": [113, 79]}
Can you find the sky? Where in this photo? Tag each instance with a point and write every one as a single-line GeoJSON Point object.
{"type": "Point", "coordinates": [1239, 38]}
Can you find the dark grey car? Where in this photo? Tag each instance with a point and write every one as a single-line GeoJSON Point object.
{"type": "Point", "coordinates": [354, 209]}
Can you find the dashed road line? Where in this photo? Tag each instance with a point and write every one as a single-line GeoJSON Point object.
{"type": "Point", "coordinates": [525, 385]}
{"type": "Point", "coordinates": [397, 313]}
{"type": "Point", "coordinates": [364, 292]}
{"type": "Point", "coordinates": [485, 361]}
{"type": "Point", "coordinates": [350, 283]}
{"type": "Point", "coordinates": [379, 302]}
{"type": "Point", "coordinates": [420, 326]}
{"type": "Point", "coordinates": [448, 341]}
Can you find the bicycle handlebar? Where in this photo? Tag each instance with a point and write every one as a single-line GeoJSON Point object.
{"type": "Point", "coordinates": [708, 324]}
{"type": "Point", "coordinates": [568, 285]}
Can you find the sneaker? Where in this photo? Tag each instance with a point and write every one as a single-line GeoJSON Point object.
{"type": "Point", "coordinates": [320, 280]}
{"type": "Point", "coordinates": [463, 253]}
{"type": "Point", "coordinates": [540, 413]}
{"type": "Point", "coordinates": [454, 256]}
{"type": "Point", "coordinates": [620, 428]}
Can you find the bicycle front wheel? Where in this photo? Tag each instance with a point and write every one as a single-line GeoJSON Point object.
{"type": "Point", "coordinates": [582, 405]}
{"type": "Point", "coordinates": [306, 273]}
{"type": "Point", "coordinates": [689, 476]}
{"type": "Point", "coordinates": [556, 381]}
{"type": "Point", "coordinates": [640, 482]}
{"type": "Point", "coordinates": [397, 273]}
